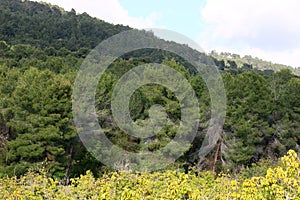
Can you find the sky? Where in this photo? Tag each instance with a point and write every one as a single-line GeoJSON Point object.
{"type": "Point", "coordinates": [268, 29]}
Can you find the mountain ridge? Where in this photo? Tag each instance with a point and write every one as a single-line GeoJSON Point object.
{"type": "Point", "coordinates": [24, 22]}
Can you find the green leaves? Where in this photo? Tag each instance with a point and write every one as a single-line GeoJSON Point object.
{"type": "Point", "coordinates": [40, 125]}
{"type": "Point", "coordinates": [41, 49]}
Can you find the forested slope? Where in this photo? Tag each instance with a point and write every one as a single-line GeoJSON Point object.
{"type": "Point", "coordinates": [236, 61]}
{"type": "Point", "coordinates": [41, 50]}
{"type": "Point", "coordinates": [42, 25]}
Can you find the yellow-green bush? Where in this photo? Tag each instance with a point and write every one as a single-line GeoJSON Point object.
{"type": "Point", "coordinates": [280, 182]}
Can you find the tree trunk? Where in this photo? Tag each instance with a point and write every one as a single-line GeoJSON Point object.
{"type": "Point", "coordinates": [67, 176]}
{"type": "Point", "coordinates": [217, 154]}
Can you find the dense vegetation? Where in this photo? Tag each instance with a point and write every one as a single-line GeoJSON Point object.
{"type": "Point", "coordinates": [27, 22]}
{"type": "Point", "coordinates": [277, 182]}
{"type": "Point", "coordinates": [42, 48]}
{"type": "Point", "coordinates": [233, 60]}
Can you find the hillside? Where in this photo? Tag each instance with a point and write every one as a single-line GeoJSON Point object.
{"type": "Point", "coordinates": [42, 25]}
{"type": "Point", "coordinates": [41, 49]}
{"type": "Point", "coordinates": [237, 61]}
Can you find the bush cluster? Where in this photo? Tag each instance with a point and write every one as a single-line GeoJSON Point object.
{"type": "Point", "coordinates": [280, 182]}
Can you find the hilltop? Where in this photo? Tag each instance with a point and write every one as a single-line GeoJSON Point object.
{"type": "Point", "coordinates": [42, 47]}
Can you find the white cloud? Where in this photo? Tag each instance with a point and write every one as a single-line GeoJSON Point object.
{"type": "Point", "coordinates": [263, 28]}
{"type": "Point", "coordinates": [107, 10]}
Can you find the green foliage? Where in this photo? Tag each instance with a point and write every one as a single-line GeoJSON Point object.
{"type": "Point", "coordinates": [41, 49]}
{"type": "Point", "coordinates": [42, 25]}
{"type": "Point", "coordinates": [278, 182]}
{"type": "Point", "coordinates": [233, 62]}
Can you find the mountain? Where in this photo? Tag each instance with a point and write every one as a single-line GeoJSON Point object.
{"type": "Point", "coordinates": [44, 25]}
{"type": "Point", "coordinates": [256, 63]}
{"type": "Point", "coordinates": [41, 49]}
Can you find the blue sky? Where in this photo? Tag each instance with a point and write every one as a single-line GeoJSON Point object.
{"type": "Point", "coordinates": [267, 29]}
{"type": "Point", "coordinates": [178, 16]}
